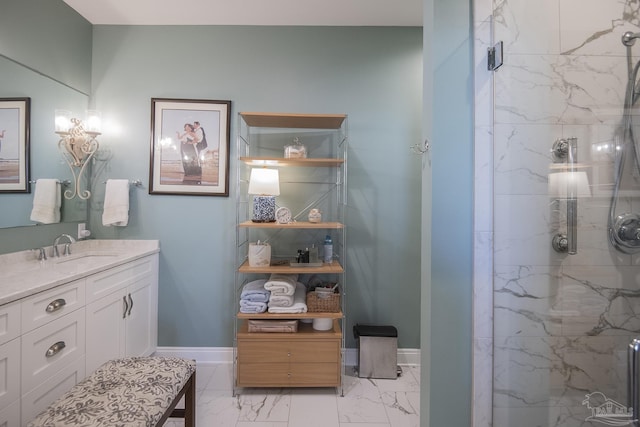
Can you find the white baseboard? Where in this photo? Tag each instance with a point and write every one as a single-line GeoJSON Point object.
{"type": "Point", "coordinates": [215, 355]}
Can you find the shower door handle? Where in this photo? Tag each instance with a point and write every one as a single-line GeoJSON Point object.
{"type": "Point", "coordinates": [568, 148]}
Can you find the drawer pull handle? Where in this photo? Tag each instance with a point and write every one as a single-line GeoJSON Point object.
{"type": "Point", "coordinates": [288, 354]}
{"type": "Point", "coordinates": [55, 305]}
{"type": "Point", "coordinates": [55, 349]}
{"type": "Point", "coordinates": [130, 305]}
{"type": "Point", "coordinates": [126, 306]}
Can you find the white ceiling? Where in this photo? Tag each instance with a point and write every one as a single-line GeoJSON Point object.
{"type": "Point", "coordinates": [251, 12]}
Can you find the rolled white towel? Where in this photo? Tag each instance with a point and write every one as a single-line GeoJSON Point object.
{"type": "Point", "coordinates": [299, 302]}
{"type": "Point", "coordinates": [277, 300]}
{"type": "Point", "coordinates": [282, 284]}
{"type": "Point", "coordinates": [46, 202]}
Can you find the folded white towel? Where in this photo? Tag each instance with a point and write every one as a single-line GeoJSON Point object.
{"type": "Point", "coordinates": [282, 284]}
{"type": "Point", "coordinates": [46, 201]}
{"type": "Point", "coordinates": [252, 306]}
{"type": "Point", "coordinates": [255, 291]}
{"type": "Point", "coordinates": [116, 203]}
{"type": "Point", "coordinates": [299, 302]}
{"type": "Point", "coordinates": [278, 300]}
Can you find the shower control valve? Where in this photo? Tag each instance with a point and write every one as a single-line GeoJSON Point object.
{"type": "Point", "coordinates": [560, 243]}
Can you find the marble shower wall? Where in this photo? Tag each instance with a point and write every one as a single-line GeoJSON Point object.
{"type": "Point", "coordinates": [561, 323]}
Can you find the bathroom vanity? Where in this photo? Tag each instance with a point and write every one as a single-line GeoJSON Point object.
{"type": "Point", "coordinates": [63, 317]}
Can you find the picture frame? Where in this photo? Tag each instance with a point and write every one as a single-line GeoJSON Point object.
{"type": "Point", "coordinates": [15, 116]}
{"type": "Point", "coordinates": [180, 163]}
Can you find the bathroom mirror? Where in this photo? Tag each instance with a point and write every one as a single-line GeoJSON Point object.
{"type": "Point", "coordinates": [46, 95]}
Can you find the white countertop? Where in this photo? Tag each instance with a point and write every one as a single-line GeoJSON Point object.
{"type": "Point", "coordinates": [22, 275]}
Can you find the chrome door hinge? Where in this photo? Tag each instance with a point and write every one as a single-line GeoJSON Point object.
{"type": "Point", "coordinates": [494, 57]}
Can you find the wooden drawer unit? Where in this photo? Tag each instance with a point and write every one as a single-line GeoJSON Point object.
{"type": "Point", "coordinates": [47, 306]}
{"type": "Point", "coordinates": [51, 347]}
{"type": "Point", "coordinates": [306, 358]}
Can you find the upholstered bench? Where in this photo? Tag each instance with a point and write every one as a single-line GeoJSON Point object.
{"type": "Point", "coordinates": [136, 391]}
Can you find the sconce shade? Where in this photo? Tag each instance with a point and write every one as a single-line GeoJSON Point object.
{"type": "Point", "coordinates": [77, 145]}
{"type": "Point", "coordinates": [264, 181]}
{"type": "Point", "coordinates": [62, 121]}
{"type": "Point", "coordinates": [559, 183]}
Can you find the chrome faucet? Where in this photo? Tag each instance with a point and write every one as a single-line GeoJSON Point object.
{"type": "Point", "coordinates": [67, 246]}
{"type": "Point", "coordinates": [42, 254]}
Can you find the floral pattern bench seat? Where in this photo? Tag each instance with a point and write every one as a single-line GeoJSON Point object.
{"type": "Point", "coordinates": [129, 392]}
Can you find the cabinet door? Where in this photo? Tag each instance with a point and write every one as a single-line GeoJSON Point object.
{"type": "Point", "coordinates": [105, 329]}
{"type": "Point", "coordinates": [142, 318]}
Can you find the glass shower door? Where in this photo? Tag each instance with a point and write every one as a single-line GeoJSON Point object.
{"type": "Point", "coordinates": [562, 321]}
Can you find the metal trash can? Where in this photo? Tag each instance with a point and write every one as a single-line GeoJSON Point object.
{"type": "Point", "coordinates": [377, 351]}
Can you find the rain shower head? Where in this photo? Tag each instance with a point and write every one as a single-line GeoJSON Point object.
{"type": "Point", "coordinates": [629, 38]}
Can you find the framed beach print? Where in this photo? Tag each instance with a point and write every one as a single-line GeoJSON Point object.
{"type": "Point", "coordinates": [189, 147]}
{"type": "Point", "coordinates": [14, 145]}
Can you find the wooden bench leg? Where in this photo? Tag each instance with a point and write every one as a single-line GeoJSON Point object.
{"type": "Point", "coordinates": [189, 411]}
{"type": "Point", "coordinates": [190, 402]}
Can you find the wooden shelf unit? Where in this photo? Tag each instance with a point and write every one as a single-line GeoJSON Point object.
{"type": "Point", "coordinates": [306, 358]}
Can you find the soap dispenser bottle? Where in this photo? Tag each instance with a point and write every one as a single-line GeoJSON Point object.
{"type": "Point", "coordinates": [328, 250]}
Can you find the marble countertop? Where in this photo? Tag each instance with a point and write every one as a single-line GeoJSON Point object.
{"type": "Point", "coordinates": [22, 275]}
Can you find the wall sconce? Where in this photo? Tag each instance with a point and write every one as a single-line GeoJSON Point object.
{"type": "Point", "coordinates": [265, 185]}
{"type": "Point", "coordinates": [77, 145]}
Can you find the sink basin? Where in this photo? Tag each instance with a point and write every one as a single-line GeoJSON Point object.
{"type": "Point", "coordinates": [85, 258]}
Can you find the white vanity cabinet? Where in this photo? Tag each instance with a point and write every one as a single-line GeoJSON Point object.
{"type": "Point", "coordinates": [54, 333]}
{"type": "Point", "coordinates": [122, 312]}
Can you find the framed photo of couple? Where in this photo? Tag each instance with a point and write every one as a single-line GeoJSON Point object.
{"type": "Point", "coordinates": [189, 147]}
{"type": "Point", "coordinates": [14, 145]}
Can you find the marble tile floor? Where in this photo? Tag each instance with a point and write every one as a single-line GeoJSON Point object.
{"type": "Point", "coordinates": [366, 402]}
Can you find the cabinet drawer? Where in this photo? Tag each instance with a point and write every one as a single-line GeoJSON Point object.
{"type": "Point", "coordinates": [38, 399]}
{"type": "Point", "coordinates": [42, 352]}
{"type": "Point", "coordinates": [106, 282]}
{"type": "Point", "coordinates": [267, 351]}
{"type": "Point", "coordinates": [9, 373]}
{"type": "Point", "coordinates": [288, 375]}
{"type": "Point", "coordinates": [9, 321]}
{"type": "Point", "coordinates": [49, 305]}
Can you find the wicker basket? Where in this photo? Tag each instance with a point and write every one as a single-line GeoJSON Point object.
{"type": "Point", "coordinates": [323, 302]}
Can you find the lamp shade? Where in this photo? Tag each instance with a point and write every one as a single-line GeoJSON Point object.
{"type": "Point", "coordinates": [264, 181]}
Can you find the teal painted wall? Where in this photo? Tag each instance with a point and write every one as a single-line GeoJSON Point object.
{"type": "Point", "coordinates": [450, 288]}
{"type": "Point", "coordinates": [372, 74]}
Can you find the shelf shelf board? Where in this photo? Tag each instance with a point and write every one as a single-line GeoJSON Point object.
{"type": "Point", "coordinates": [281, 161]}
{"type": "Point", "coordinates": [293, 225]}
{"type": "Point", "coordinates": [291, 120]}
{"type": "Point", "coordinates": [283, 316]}
{"type": "Point", "coordinates": [334, 267]}
{"type": "Point", "coordinates": [305, 332]}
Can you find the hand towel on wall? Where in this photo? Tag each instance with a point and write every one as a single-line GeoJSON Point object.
{"type": "Point", "coordinates": [299, 302]}
{"type": "Point", "coordinates": [46, 201]}
{"type": "Point", "coordinates": [116, 203]}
